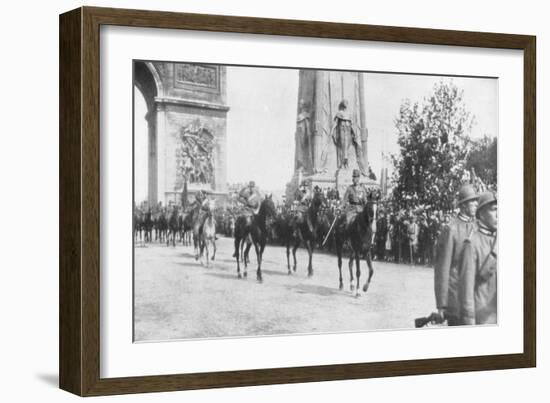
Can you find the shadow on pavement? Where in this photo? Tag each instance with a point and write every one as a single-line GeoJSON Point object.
{"type": "Point", "coordinates": [316, 289]}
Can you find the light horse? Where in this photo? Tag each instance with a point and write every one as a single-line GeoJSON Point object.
{"type": "Point", "coordinates": [208, 234]}
{"type": "Point", "coordinates": [255, 234]}
{"type": "Point", "coordinates": [359, 234]}
{"type": "Point", "coordinates": [304, 229]}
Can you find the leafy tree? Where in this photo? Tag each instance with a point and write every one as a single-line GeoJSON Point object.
{"type": "Point", "coordinates": [434, 145]}
{"type": "Point", "coordinates": [483, 160]}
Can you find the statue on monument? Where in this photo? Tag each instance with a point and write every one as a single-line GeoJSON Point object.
{"type": "Point", "coordinates": [304, 138]}
{"type": "Point", "coordinates": [343, 135]}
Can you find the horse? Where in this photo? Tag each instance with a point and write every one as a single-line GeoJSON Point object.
{"type": "Point", "coordinates": [172, 226]}
{"type": "Point", "coordinates": [161, 227]}
{"type": "Point", "coordinates": [304, 229]}
{"type": "Point", "coordinates": [253, 233]}
{"type": "Point", "coordinates": [138, 226]}
{"type": "Point", "coordinates": [148, 226]}
{"type": "Point", "coordinates": [208, 235]}
{"type": "Point", "coordinates": [360, 233]}
{"type": "Point", "coordinates": [186, 227]}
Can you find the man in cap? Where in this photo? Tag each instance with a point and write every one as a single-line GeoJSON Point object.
{"type": "Point", "coordinates": [354, 198]}
{"type": "Point", "coordinates": [302, 198]}
{"type": "Point", "coordinates": [449, 247]}
{"type": "Point", "coordinates": [478, 267]}
{"type": "Point", "coordinates": [250, 198]}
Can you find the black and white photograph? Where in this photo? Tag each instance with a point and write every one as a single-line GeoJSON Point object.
{"type": "Point", "coordinates": [280, 201]}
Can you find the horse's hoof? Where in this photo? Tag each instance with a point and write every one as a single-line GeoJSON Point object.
{"type": "Point", "coordinates": [310, 273]}
{"type": "Point", "coordinates": [341, 287]}
{"type": "Point", "coordinates": [289, 272]}
{"type": "Point", "coordinates": [259, 279]}
{"type": "Point", "coordinates": [245, 274]}
{"type": "Point", "coordinates": [351, 287]}
{"type": "Point", "coordinates": [294, 268]}
{"type": "Point", "coordinates": [366, 287]}
{"type": "Point", "coordinates": [357, 295]}
{"type": "Point", "coordinates": [239, 275]}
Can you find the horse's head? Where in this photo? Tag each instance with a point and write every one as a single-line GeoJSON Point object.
{"type": "Point", "coordinates": [267, 208]}
{"type": "Point", "coordinates": [318, 201]}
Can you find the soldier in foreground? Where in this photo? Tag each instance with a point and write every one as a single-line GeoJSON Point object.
{"type": "Point", "coordinates": [478, 267]}
{"type": "Point", "coordinates": [449, 247]}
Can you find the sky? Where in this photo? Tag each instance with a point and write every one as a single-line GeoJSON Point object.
{"type": "Point", "coordinates": [261, 121]}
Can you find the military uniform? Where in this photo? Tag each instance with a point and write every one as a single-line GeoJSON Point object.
{"type": "Point", "coordinates": [302, 199]}
{"type": "Point", "coordinates": [250, 200]}
{"type": "Point", "coordinates": [478, 279]}
{"type": "Point", "coordinates": [354, 200]}
{"type": "Point", "coordinates": [202, 204]}
{"type": "Point", "coordinates": [449, 248]}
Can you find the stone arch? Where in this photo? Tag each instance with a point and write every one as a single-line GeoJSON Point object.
{"type": "Point", "coordinates": [148, 82]}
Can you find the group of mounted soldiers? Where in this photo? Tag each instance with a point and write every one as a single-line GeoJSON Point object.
{"type": "Point", "coordinates": [462, 247]}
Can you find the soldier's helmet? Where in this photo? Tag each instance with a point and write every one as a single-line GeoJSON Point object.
{"type": "Point", "coordinates": [356, 173]}
{"type": "Point", "coordinates": [343, 104]}
{"type": "Point", "coordinates": [486, 199]}
{"type": "Point", "coordinates": [466, 193]}
{"type": "Point", "coordinates": [251, 184]}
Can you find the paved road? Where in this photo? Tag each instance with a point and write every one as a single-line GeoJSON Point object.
{"type": "Point", "coordinates": [177, 297]}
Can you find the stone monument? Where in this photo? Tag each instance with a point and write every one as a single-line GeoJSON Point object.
{"type": "Point", "coordinates": [331, 134]}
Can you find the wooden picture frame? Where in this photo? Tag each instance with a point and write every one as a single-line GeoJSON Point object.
{"type": "Point", "coordinates": [79, 240]}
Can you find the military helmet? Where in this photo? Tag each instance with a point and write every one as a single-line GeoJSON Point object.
{"type": "Point", "coordinates": [467, 193]}
{"type": "Point", "coordinates": [252, 184]}
{"type": "Point", "coordinates": [356, 173]}
{"type": "Point", "coordinates": [485, 199]}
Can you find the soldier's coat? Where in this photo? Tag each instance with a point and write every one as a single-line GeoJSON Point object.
{"type": "Point", "coordinates": [478, 279]}
{"type": "Point", "coordinates": [449, 248]}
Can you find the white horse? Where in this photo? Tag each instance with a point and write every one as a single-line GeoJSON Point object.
{"type": "Point", "coordinates": [208, 235]}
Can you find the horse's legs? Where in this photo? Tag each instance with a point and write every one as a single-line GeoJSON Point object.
{"type": "Point", "coordinates": [294, 247]}
{"type": "Point", "coordinates": [237, 244]}
{"type": "Point", "coordinates": [246, 255]}
{"type": "Point", "coordinates": [259, 251]}
{"type": "Point", "coordinates": [205, 247]}
{"type": "Point", "coordinates": [350, 266]}
{"type": "Point", "coordinates": [288, 256]}
{"type": "Point", "coordinates": [309, 245]}
{"type": "Point", "coordinates": [339, 254]}
{"type": "Point", "coordinates": [371, 272]}
{"type": "Point", "coordinates": [214, 248]}
{"type": "Point", "coordinates": [357, 273]}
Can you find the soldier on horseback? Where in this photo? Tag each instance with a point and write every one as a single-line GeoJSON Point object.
{"type": "Point", "coordinates": [202, 204]}
{"type": "Point", "coordinates": [302, 200]}
{"type": "Point", "coordinates": [249, 198]}
{"type": "Point", "coordinates": [355, 198]}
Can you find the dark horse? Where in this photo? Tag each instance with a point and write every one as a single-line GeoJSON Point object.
{"type": "Point", "coordinates": [359, 233]}
{"type": "Point", "coordinates": [304, 229]}
{"type": "Point", "coordinates": [173, 227]}
{"type": "Point", "coordinates": [253, 233]}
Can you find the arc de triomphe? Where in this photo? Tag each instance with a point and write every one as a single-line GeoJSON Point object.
{"type": "Point", "coordinates": [186, 117]}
